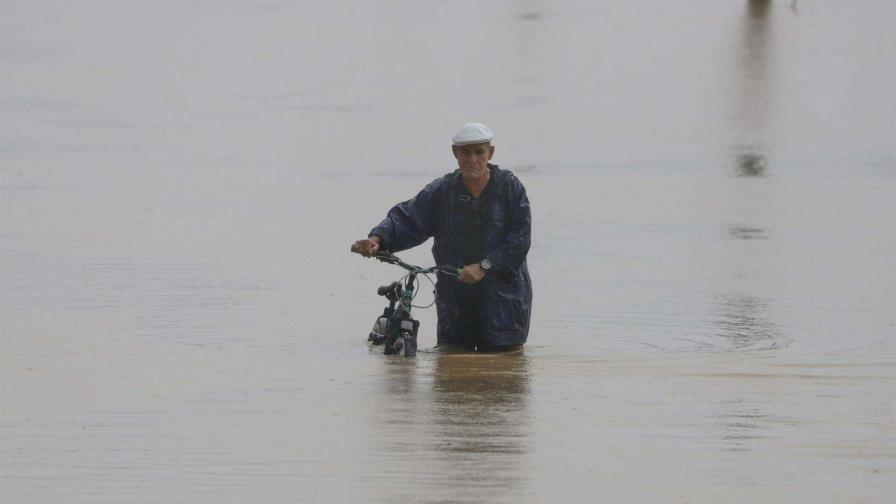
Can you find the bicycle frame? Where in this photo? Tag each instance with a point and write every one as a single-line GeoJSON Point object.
{"type": "Point", "coordinates": [396, 328]}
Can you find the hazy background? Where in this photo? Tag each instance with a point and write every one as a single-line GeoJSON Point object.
{"type": "Point", "coordinates": [713, 188]}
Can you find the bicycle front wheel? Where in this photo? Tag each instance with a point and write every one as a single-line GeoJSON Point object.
{"type": "Point", "coordinates": [394, 343]}
{"type": "Point", "coordinates": [410, 344]}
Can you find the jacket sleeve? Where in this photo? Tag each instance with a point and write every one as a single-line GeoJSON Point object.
{"type": "Point", "coordinates": [511, 254]}
{"type": "Point", "coordinates": [409, 223]}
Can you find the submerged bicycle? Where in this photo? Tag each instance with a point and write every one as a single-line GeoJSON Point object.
{"type": "Point", "coordinates": [395, 329]}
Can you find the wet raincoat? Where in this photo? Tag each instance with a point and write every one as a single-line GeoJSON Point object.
{"type": "Point", "coordinates": [504, 296]}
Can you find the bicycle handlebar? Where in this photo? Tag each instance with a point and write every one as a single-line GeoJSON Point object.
{"type": "Point", "coordinates": [389, 257]}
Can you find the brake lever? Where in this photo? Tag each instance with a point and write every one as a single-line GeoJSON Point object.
{"type": "Point", "coordinates": [386, 257]}
{"type": "Point", "coordinates": [448, 271]}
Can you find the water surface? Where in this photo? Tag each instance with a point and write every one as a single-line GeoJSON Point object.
{"type": "Point", "coordinates": [712, 188]}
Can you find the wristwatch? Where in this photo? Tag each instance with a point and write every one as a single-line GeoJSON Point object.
{"type": "Point", "coordinates": [485, 264]}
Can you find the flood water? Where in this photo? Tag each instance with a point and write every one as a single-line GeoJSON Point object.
{"type": "Point", "coordinates": [713, 188]}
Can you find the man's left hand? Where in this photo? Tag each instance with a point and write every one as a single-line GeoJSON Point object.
{"type": "Point", "coordinates": [471, 273]}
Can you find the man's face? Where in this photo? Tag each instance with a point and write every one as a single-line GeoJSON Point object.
{"type": "Point", "coordinates": [473, 159]}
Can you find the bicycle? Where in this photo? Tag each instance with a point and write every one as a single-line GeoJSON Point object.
{"type": "Point", "coordinates": [396, 329]}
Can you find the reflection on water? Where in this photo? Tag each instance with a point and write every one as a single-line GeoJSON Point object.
{"type": "Point", "coordinates": [480, 403]}
{"type": "Point", "coordinates": [743, 323]}
{"type": "Point", "coordinates": [400, 374]}
{"type": "Point", "coordinates": [759, 9]}
{"type": "Point", "coordinates": [741, 424]}
{"type": "Point", "coordinates": [751, 164]}
{"type": "Point", "coordinates": [529, 10]}
{"type": "Point", "coordinates": [453, 420]}
{"type": "Point", "coordinates": [747, 233]}
{"type": "Point", "coordinates": [481, 420]}
{"type": "Point", "coordinates": [527, 90]}
{"type": "Point", "coordinates": [754, 96]}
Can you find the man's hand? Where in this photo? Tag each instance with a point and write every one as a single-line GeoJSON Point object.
{"type": "Point", "coordinates": [368, 247]}
{"type": "Point", "coordinates": [471, 273]}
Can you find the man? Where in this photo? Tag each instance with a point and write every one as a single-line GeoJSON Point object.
{"type": "Point", "coordinates": [479, 218]}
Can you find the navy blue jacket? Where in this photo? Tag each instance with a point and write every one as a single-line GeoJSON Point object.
{"type": "Point", "coordinates": [507, 289]}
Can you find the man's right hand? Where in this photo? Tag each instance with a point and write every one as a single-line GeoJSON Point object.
{"type": "Point", "coordinates": [368, 247]}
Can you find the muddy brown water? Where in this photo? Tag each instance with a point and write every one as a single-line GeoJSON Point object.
{"type": "Point", "coordinates": [712, 188]}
